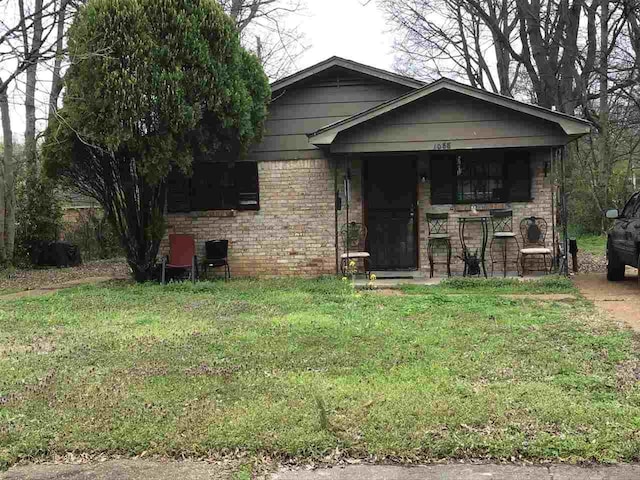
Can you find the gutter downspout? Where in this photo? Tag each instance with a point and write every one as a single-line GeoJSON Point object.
{"type": "Point", "coordinates": [565, 214]}
{"type": "Point", "coordinates": [336, 195]}
{"type": "Point", "coordinates": [554, 210]}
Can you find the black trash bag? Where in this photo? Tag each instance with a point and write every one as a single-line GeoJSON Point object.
{"type": "Point", "coordinates": [55, 254]}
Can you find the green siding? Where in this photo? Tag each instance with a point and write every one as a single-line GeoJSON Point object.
{"type": "Point", "coordinates": [304, 108]}
{"type": "Point", "coordinates": [449, 120]}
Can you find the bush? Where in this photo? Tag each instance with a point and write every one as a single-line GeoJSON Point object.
{"type": "Point", "coordinates": [38, 215]}
{"type": "Point", "coordinates": [94, 235]}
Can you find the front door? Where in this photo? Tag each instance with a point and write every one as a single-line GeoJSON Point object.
{"type": "Point", "coordinates": [390, 195]}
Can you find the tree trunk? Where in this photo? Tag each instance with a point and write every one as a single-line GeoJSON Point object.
{"type": "Point", "coordinates": [31, 56]}
{"type": "Point", "coordinates": [603, 140]}
{"type": "Point", "coordinates": [57, 83]}
{"type": "Point", "coordinates": [6, 160]}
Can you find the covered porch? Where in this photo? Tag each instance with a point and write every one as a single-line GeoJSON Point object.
{"type": "Point", "coordinates": [456, 152]}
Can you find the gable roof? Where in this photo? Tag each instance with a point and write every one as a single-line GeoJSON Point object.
{"type": "Point", "coordinates": [572, 126]}
{"type": "Point", "coordinates": [349, 65]}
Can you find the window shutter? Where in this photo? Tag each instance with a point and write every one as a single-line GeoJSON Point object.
{"type": "Point", "coordinates": [178, 192]}
{"type": "Point", "coordinates": [442, 180]}
{"type": "Point", "coordinates": [519, 177]}
{"type": "Point", "coordinates": [247, 186]}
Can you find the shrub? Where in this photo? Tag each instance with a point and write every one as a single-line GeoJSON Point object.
{"type": "Point", "coordinates": [94, 235]}
{"type": "Point", "coordinates": [38, 215]}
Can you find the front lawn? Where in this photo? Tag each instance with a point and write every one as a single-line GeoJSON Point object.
{"type": "Point", "coordinates": [308, 368]}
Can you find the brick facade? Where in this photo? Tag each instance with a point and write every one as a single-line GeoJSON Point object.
{"type": "Point", "coordinates": [293, 233]}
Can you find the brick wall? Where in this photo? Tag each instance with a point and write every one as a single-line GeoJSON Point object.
{"type": "Point", "coordinates": [291, 234]}
{"type": "Point", "coordinates": [540, 206]}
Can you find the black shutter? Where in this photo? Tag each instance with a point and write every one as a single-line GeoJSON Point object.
{"type": "Point", "coordinates": [442, 179]}
{"type": "Point", "coordinates": [247, 186]}
{"type": "Point", "coordinates": [178, 192]}
{"type": "Point", "coordinates": [518, 177]}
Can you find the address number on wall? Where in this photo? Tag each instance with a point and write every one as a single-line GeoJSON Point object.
{"type": "Point", "coordinates": [442, 146]}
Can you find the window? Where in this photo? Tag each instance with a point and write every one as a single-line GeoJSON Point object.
{"type": "Point", "coordinates": [631, 208]}
{"type": "Point", "coordinates": [215, 186]}
{"type": "Point", "coordinates": [479, 179]}
{"type": "Point", "coordinates": [487, 176]}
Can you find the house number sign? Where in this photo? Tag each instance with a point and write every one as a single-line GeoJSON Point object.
{"type": "Point", "coordinates": [442, 146]}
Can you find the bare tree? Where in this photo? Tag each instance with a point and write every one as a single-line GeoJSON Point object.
{"type": "Point", "coordinates": [31, 37]}
{"type": "Point", "coordinates": [578, 56]}
{"type": "Point", "coordinates": [266, 27]}
{"type": "Point", "coordinates": [447, 38]}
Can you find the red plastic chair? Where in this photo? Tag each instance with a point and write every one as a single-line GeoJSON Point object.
{"type": "Point", "coordinates": [182, 256]}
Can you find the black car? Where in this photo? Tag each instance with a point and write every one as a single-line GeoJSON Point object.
{"type": "Point", "coordinates": [623, 241]}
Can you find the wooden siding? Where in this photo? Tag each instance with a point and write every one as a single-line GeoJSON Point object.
{"type": "Point", "coordinates": [449, 120]}
{"type": "Point", "coordinates": [324, 99]}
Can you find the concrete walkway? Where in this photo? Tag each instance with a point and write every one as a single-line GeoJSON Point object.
{"type": "Point", "coordinates": [194, 470]}
{"type": "Point", "coordinates": [465, 472]}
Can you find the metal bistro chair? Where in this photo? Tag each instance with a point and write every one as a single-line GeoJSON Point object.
{"type": "Point", "coordinates": [534, 231]}
{"type": "Point", "coordinates": [182, 256]}
{"type": "Point", "coordinates": [354, 237]}
{"type": "Point", "coordinates": [502, 225]}
{"type": "Point", "coordinates": [438, 224]}
{"type": "Point", "coordinates": [216, 256]}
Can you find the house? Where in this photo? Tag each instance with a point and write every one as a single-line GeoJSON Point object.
{"type": "Point", "coordinates": [404, 147]}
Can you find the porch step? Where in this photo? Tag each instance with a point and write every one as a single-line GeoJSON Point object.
{"type": "Point", "coordinates": [398, 274]}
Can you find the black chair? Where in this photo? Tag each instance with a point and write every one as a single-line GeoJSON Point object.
{"type": "Point", "coordinates": [502, 224]}
{"type": "Point", "coordinates": [216, 256]}
{"type": "Point", "coordinates": [534, 232]}
{"type": "Point", "coordinates": [438, 224]}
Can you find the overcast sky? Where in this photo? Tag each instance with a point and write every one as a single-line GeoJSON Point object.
{"type": "Point", "coordinates": [348, 29]}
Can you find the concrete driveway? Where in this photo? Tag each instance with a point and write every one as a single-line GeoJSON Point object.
{"type": "Point", "coordinates": [621, 300]}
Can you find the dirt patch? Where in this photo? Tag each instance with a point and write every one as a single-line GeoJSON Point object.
{"type": "Point", "coordinates": [23, 280]}
{"type": "Point", "coordinates": [390, 292]}
{"type": "Point", "coordinates": [39, 345]}
{"type": "Point", "coordinates": [48, 289]}
{"type": "Point", "coordinates": [592, 263]}
{"type": "Point", "coordinates": [621, 300]}
{"type": "Point", "coordinates": [544, 297]}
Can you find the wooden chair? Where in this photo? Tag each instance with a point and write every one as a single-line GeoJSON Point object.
{"type": "Point", "coordinates": [182, 256]}
{"type": "Point", "coordinates": [216, 256]}
{"type": "Point", "coordinates": [438, 224]}
{"type": "Point", "coordinates": [354, 237]}
{"type": "Point", "coordinates": [534, 232]}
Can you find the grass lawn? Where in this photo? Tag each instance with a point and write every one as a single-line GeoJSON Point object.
{"type": "Point", "coordinates": [594, 244]}
{"type": "Point", "coordinates": [300, 368]}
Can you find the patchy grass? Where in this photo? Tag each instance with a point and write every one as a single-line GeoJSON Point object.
{"type": "Point", "coordinates": [308, 368]}
{"type": "Point", "coordinates": [593, 244]}
{"type": "Point", "coordinates": [494, 286]}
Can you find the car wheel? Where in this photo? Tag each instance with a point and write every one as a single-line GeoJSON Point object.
{"type": "Point", "coordinates": [615, 269]}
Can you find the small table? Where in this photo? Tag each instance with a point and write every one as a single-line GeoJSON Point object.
{"type": "Point", "coordinates": [484, 222]}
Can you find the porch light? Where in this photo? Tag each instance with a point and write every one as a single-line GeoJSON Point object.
{"type": "Point", "coordinates": [546, 168]}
